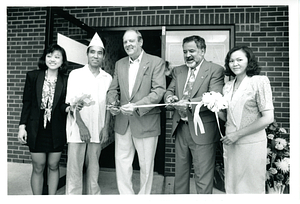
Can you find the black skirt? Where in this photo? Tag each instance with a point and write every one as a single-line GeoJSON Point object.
{"type": "Point", "coordinates": [44, 140]}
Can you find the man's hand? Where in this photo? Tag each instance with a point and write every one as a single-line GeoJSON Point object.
{"type": "Point", "coordinates": [181, 105]}
{"type": "Point", "coordinates": [170, 100]}
{"type": "Point", "coordinates": [128, 109]}
{"type": "Point", "coordinates": [84, 134]}
{"type": "Point", "coordinates": [114, 107]}
{"type": "Point", "coordinates": [114, 110]}
{"type": "Point", "coordinates": [103, 135]}
{"type": "Point", "coordinates": [79, 106]}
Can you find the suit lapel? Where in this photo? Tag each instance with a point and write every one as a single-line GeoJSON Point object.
{"type": "Point", "coordinates": [202, 73]}
{"type": "Point", "coordinates": [139, 77]}
{"type": "Point", "coordinates": [58, 90]}
{"type": "Point", "coordinates": [123, 77]}
{"type": "Point", "coordinates": [239, 94]}
{"type": "Point", "coordinates": [182, 77]}
{"type": "Point", "coordinates": [39, 87]}
{"type": "Point", "coordinates": [238, 101]}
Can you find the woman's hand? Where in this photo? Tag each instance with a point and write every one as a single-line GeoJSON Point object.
{"type": "Point", "coordinates": [22, 134]}
{"type": "Point", "coordinates": [258, 125]}
{"type": "Point", "coordinates": [229, 139]}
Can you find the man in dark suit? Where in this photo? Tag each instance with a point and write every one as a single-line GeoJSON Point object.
{"type": "Point", "coordinates": [139, 79]}
{"type": "Point", "coordinates": [205, 77]}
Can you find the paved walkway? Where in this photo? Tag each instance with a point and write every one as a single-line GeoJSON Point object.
{"type": "Point", "coordinates": [18, 178]}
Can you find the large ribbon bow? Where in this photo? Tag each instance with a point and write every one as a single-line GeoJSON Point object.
{"type": "Point", "coordinates": [214, 101]}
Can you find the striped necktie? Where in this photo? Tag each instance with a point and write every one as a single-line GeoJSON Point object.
{"type": "Point", "coordinates": [188, 90]}
{"type": "Point", "coordinates": [189, 86]}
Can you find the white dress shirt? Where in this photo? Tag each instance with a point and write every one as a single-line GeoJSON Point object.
{"type": "Point", "coordinates": [188, 76]}
{"type": "Point", "coordinates": [82, 81]}
{"type": "Point", "coordinates": [195, 72]}
{"type": "Point", "coordinates": [133, 70]}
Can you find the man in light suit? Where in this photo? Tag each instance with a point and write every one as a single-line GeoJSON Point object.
{"type": "Point", "coordinates": [139, 79]}
{"type": "Point", "coordinates": [202, 148]}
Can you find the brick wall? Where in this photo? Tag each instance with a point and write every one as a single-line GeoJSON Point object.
{"type": "Point", "coordinates": [263, 28]}
{"type": "Point", "coordinates": [25, 44]}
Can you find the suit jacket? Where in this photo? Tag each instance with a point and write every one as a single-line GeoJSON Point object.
{"type": "Point", "coordinates": [30, 114]}
{"type": "Point", "coordinates": [149, 88]}
{"type": "Point", "coordinates": [210, 77]}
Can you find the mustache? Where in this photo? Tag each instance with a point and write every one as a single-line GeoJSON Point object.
{"type": "Point", "coordinates": [189, 58]}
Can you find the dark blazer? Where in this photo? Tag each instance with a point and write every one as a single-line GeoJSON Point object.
{"type": "Point", "coordinates": [30, 114]}
{"type": "Point", "coordinates": [210, 77]}
{"type": "Point", "coordinates": [149, 88]}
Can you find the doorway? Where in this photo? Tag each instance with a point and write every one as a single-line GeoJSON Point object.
{"type": "Point", "coordinates": [152, 41]}
{"type": "Point", "coordinates": [165, 42]}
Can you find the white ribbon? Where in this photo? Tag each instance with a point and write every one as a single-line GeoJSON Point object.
{"type": "Point", "coordinates": [197, 119]}
{"type": "Point", "coordinates": [151, 105]}
{"type": "Point", "coordinates": [217, 117]}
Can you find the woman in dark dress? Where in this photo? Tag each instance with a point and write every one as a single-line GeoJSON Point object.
{"type": "Point", "coordinates": [43, 117]}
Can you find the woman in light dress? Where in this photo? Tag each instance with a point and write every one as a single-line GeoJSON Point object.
{"type": "Point", "coordinates": [249, 112]}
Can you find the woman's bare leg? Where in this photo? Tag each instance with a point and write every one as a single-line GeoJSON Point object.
{"type": "Point", "coordinates": [53, 175]}
{"type": "Point", "coordinates": [38, 166]}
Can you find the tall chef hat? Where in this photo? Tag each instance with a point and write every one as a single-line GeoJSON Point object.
{"type": "Point", "coordinates": [96, 41]}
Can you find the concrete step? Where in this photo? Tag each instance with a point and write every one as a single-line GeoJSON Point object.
{"type": "Point", "coordinates": [18, 175]}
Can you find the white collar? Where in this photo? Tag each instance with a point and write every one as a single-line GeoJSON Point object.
{"type": "Point", "coordinates": [198, 67]}
{"type": "Point", "coordinates": [138, 60]}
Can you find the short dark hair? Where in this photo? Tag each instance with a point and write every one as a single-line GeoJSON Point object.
{"type": "Point", "coordinates": [252, 68]}
{"type": "Point", "coordinates": [54, 47]}
{"type": "Point", "coordinates": [200, 42]}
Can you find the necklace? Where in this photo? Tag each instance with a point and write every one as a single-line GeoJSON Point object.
{"type": "Point", "coordinates": [51, 78]}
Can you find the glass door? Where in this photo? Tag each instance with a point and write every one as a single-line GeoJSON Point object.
{"type": "Point", "coordinates": [217, 45]}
